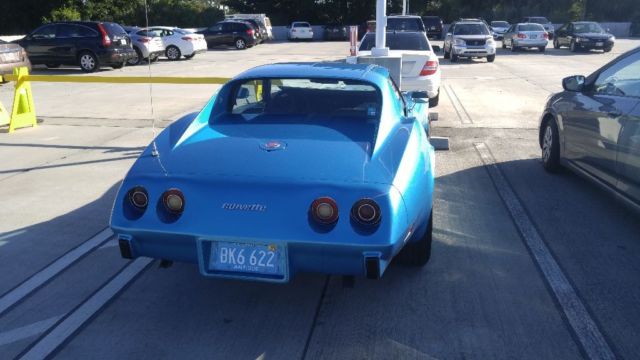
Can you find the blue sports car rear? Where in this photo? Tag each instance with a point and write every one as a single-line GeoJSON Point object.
{"type": "Point", "coordinates": [289, 168]}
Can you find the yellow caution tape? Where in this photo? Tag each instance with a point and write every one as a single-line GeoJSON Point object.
{"type": "Point", "coordinates": [119, 79]}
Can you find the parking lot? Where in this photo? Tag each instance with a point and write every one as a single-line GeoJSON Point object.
{"type": "Point", "coordinates": [487, 293]}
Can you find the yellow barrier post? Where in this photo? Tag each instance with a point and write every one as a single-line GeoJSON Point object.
{"type": "Point", "coordinates": [23, 113]}
{"type": "Point", "coordinates": [4, 115]}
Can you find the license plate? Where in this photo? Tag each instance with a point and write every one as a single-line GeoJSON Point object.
{"type": "Point", "coordinates": [599, 43]}
{"type": "Point", "coordinates": [246, 258]}
{"type": "Point", "coordinates": [123, 41]}
{"type": "Point", "coordinates": [533, 36]}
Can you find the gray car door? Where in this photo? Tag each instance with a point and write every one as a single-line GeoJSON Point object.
{"type": "Point", "coordinates": [593, 123]}
{"type": "Point", "coordinates": [629, 149]}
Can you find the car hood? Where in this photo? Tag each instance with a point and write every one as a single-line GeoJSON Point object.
{"type": "Point", "coordinates": [292, 151]}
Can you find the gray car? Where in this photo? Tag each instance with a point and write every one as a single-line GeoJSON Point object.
{"type": "Point", "coordinates": [11, 57]}
{"type": "Point", "coordinates": [527, 35]}
{"type": "Point", "coordinates": [593, 127]}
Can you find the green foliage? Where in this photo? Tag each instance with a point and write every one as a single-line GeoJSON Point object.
{"type": "Point", "coordinates": [66, 12]}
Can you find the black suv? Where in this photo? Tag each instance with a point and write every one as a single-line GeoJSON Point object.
{"type": "Point", "coordinates": [85, 43]}
{"type": "Point", "coordinates": [237, 33]}
{"type": "Point", "coordinates": [433, 25]}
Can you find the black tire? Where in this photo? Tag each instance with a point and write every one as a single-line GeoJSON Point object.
{"type": "Point", "coordinates": [454, 58]}
{"type": "Point", "coordinates": [52, 66]}
{"type": "Point", "coordinates": [542, 48]}
{"type": "Point", "coordinates": [154, 58]}
{"type": "Point", "coordinates": [418, 253]}
{"type": "Point", "coordinates": [135, 60]}
{"type": "Point", "coordinates": [240, 44]}
{"type": "Point", "coordinates": [573, 47]}
{"type": "Point", "coordinates": [447, 55]}
{"type": "Point", "coordinates": [513, 47]}
{"type": "Point", "coordinates": [607, 49]}
{"type": "Point", "coordinates": [189, 57]}
{"type": "Point", "coordinates": [173, 53]}
{"type": "Point", "coordinates": [88, 62]}
{"type": "Point", "coordinates": [433, 102]}
{"type": "Point", "coordinates": [556, 43]}
{"type": "Point", "coordinates": [504, 45]}
{"type": "Point", "coordinates": [550, 146]}
{"type": "Point", "coordinates": [491, 58]}
{"type": "Point", "coordinates": [118, 66]}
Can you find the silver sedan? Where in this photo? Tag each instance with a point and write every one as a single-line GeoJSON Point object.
{"type": "Point", "coordinates": [525, 35]}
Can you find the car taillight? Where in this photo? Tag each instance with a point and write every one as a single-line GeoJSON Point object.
{"type": "Point", "coordinates": [138, 197]}
{"type": "Point", "coordinates": [106, 41]}
{"type": "Point", "coordinates": [430, 68]}
{"type": "Point", "coordinates": [293, 30]}
{"type": "Point", "coordinates": [366, 212]}
{"type": "Point", "coordinates": [187, 38]}
{"type": "Point", "coordinates": [546, 35]}
{"type": "Point", "coordinates": [250, 32]}
{"type": "Point", "coordinates": [324, 210]}
{"type": "Point", "coordinates": [144, 39]}
{"type": "Point", "coordinates": [173, 201]}
{"type": "Point", "coordinates": [521, 36]}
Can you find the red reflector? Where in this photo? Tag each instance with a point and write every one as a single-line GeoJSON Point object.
{"type": "Point", "coordinates": [187, 38]}
{"type": "Point", "coordinates": [106, 41]}
{"type": "Point", "coordinates": [522, 36]}
{"type": "Point", "coordinates": [249, 31]}
{"type": "Point", "coordinates": [144, 40]}
{"type": "Point", "coordinates": [546, 35]}
{"type": "Point", "coordinates": [430, 68]}
{"type": "Point", "coordinates": [324, 210]}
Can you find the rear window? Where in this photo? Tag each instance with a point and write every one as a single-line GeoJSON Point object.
{"type": "Point", "coordinates": [430, 21]}
{"type": "Point", "coordinates": [530, 27]}
{"type": "Point", "coordinates": [114, 29]}
{"type": "Point", "coordinates": [252, 101]}
{"type": "Point", "coordinates": [400, 24]}
{"type": "Point", "coordinates": [500, 24]}
{"type": "Point", "coordinates": [301, 25]}
{"type": "Point", "coordinates": [397, 42]}
{"type": "Point", "coordinates": [539, 20]}
{"type": "Point", "coordinates": [471, 29]}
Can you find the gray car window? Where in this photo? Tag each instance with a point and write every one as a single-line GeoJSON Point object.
{"type": "Point", "coordinates": [622, 79]}
{"type": "Point", "coordinates": [46, 32]}
{"type": "Point", "coordinates": [530, 27]}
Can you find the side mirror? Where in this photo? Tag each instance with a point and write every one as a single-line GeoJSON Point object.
{"type": "Point", "coordinates": [243, 93]}
{"type": "Point", "coordinates": [419, 95]}
{"type": "Point", "coordinates": [573, 83]}
{"type": "Point", "coordinates": [436, 48]}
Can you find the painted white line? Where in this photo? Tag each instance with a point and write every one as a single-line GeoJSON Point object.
{"type": "Point", "coordinates": [67, 327]}
{"type": "Point", "coordinates": [585, 328]}
{"type": "Point", "coordinates": [27, 331]}
{"type": "Point", "coordinates": [462, 113]}
{"type": "Point", "coordinates": [34, 282]}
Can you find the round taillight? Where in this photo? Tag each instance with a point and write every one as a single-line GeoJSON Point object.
{"type": "Point", "coordinates": [138, 197]}
{"type": "Point", "coordinates": [366, 212]}
{"type": "Point", "coordinates": [173, 201]}
{"type": "Point", "coordinates": [324, 210]}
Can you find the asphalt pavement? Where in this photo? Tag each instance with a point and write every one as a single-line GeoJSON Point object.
{"type": "Point", "coordinates": [524, 265]}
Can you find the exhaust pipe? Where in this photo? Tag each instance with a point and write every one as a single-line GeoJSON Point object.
{"type": "Point", "coordinates": [372, 267]}
{"type": "Point", "coordinates": [126, 251]}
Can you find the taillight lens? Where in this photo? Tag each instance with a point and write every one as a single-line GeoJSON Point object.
{"type": "Point", "coordinates": [324, 210]}
{"type": "Point", "coordinates": [173, 201]}
{"type": "Point", "coordinates": [429, 68]}
{"type": "Point", "coordinates": [144, 39]}
{"type": "Point", "coordinates": [522, 36]}
{"type": "Point", "coordinates": [366, 212]}
{"type": "Point", "coordinates": [250, 32]}
{"type": "Point", "coordinates": [106, 41]}
{"type": "Point", "coordinates": [138, 197]}
{"type": "Point", "coordinates": [187, 38]}
{"type": "Point", "coordinates": [546, 35]}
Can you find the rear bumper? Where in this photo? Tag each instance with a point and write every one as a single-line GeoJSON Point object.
{"type": "Point", "coordinates": [307, 36]}
{"type": "Point", "coordinates": [117, 56]}
{"type": "Point", "coordinates": [531, 43]}
{"type": "Point", "coordinates": [8, 68]}
{"type": "Point", "coordinates": [596, 44]}
{"type": "Point", "coordinates": [430, 84]}
{"type": "Point", "coordinates": [474, 51]}
{"type": "Point", "coordinates": [326, 258]}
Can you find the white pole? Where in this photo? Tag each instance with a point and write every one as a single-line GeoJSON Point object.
{"type": "Point", "coordinates": [381, 29]}
{"type": "Point", "coordinates": [404, 7]}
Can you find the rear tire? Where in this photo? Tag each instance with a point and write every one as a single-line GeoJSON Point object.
{"type": "Point", "coordinates": [418, 253]}
{"type": "Point", "coordinates": [447, 55]}
{"type": "Point", "coordinates": [454, 58]}
{"type": "Point", "coordinates": [491, 58]}
{"type": "Point", "coordinates": [173, 53]}
{"type": "Point", "coordinates": [240, 44]}
{"type": "Point", "coordinates": [88, 62]}
{"type": "Point", "coordinates": [118, 66]}
{"type": "Point", "coordinates": [513, 47]}
{"type": "Point", "coordinates": [551, 147]}
{"type": "Point", "coordinates": [504, 46]}
{"type": "Point", "coordinates": [542, 48]}
{"type": "Point", "coordinates": [607, 49]}
{"type": "Point", "coordinates": [556, 43]}
{"type": "Point", "coordinates": [573, 47]}
{"type": "Point", "coordinates": [433, 102]}
{"type": "Point", "coordinates": [137, 59]}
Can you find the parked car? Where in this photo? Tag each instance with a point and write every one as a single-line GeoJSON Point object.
{"type": "Point", "coordinates": [434, 26]}
{"type": "Point", "coordinates": [336, 32]}
{"type": "Point", "coordinates": [593, 127]}
{"type": "Point", "coordinates": [262, 19]}
{"type": "Point", "coordinates": [333, 150]}
{"type": "Point", "coordinates": [11, 57]}
{"type": "Point", "coordinates": [147, 44]}
{"type": "Point", "coordinates": [521, 36]}
{"type": "Point", "coordinates": [89, 44]}
{"type": "Point", "coordinates": [420, 65]}
{"type": "Point", "coordinates": [239, 34]}
{"type": "Point", "coordinates": [548, 27]}
{"type": "Point", "coordinates": [405, 23]}
{"type": "Point", "coordinates": [261, 32]}
{"type": "Point", "coordinates": [179, 42]}
{"type": "Point", "coordinates": [470, 39]}
{"type": "Point", "coordinates": [300, 30]}
{"type": "Point", "coordinates": [498, 28]}
{"type": "Point", "coordinates": [583, 35]}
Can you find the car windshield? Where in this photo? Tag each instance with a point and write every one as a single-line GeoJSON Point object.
{"type": "Point", "coordinates": [322, 98]}
{"type": "Point", "coordinates": [530, 27]}
{"type": "Point", "coordinates": [539, 20]}
{"type": "Point", "coordinates": [399, 24]}
{"type": "Point", "coordinates": [398, 41]}
{"type": "Point", "coordinates": [471, 29]}
{"type": "Point", "coordinates": [431, 20]}
{"type": "Point", "coordinates": [301, 25]}
{"type": "Point", "coordinates": [588, 28]}
{"type": "Point", "coordinates": [500, 24]}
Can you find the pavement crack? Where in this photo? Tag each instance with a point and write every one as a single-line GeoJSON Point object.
{"type": "Point", "coordinates": [315, 317]}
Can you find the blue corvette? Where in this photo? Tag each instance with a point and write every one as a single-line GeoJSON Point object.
{"type": "Point", "coordinates": [289, 168]}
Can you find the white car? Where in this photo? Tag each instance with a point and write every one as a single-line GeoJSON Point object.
{"type": "Point", "coordinates": [420, 65]}
{"type": "Point", "coordinates": [147, 45]}
{"type": "Point", "coordinates": [179, 42]}
{"type": "Point", "coordinates": [498, 28]}
{"type": "Point", "coordinates": [300, 30]}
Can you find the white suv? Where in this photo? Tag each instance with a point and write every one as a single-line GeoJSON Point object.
{"type": "Point", "coordinates": [470, 39]}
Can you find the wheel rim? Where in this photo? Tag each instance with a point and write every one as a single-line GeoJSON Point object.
{"type": "Point", "coordinates": [547, 142]}
{"type": "Point", "coordinates": [87, 62]}
{"type": "Point", "coordinates": [172, 53]}
{"type": "Point", "coordinates": [240, 44]}
{"type": "Point", "coordinates": [133, 60]}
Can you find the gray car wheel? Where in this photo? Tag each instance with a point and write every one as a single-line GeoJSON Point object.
{"type": "Point", "coordinates": [136, 59]}
{"type": "Point", "coordinates": [551, 147]}
{"type": "Point", "coordinates": [88, 62]}
{"type": "Point", "coordinates": [240, 44]}
{"type": "Point", "coordinates": [173, 53]}
{"type": "Point", "coordinates": [573, 47]}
